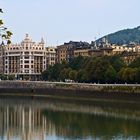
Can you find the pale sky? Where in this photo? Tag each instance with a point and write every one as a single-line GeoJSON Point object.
{"type": "Point", "coordinates": [59, 21]}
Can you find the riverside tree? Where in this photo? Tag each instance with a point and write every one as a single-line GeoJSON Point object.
{"type": "Point", "coordinates": [5, 35]}
{"type": "Point", "coordinates": [106, 69]}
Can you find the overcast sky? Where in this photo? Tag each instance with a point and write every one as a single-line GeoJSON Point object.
{"type": "Point", "coordinates": [60, 21]}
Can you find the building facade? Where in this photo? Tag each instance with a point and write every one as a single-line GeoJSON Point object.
{"type": "Point", "coordinates": [26, 60]}
{"type": "Point", "coordinates": [1, 58]}
{"type": "Point", "coordinates": [81, 52]}
{"type": "Point", "coordinates": [61, 53]}
{"type": "Point", "coordinates": [68, 51]}
{"type": "Point", "coordinates": [50, 56]}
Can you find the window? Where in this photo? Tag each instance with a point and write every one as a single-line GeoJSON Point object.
{"type": "Point", "coordinates": [26, 71]}
{"type": "Point", "coordinates": [26, 66]}
{"type": "Point", "coordinates": [26, 53]}
{"type": "Point", "coordinates": [26, 61]}
{"type": "Point", "coordinates": [26, 57]}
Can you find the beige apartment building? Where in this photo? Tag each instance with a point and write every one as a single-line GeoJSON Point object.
{"type": "Point", "coordinates": [81, 52]}
{"type": "Point", "coordinates": [120, 49]}
{"type": "Point", "coordinates": [1, 59]}
{"type": "Point", "coordinates": [50, 56]}
{"type": "Point", "coordinates": [61, 53]}
{"type": "Point", "coordinates": [26, 60]}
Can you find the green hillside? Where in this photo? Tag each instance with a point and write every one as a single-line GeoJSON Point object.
{"type": "Point", "coordinates": [126, 36]}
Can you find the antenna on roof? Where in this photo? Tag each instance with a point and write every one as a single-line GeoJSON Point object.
{"type": "Point", "coordinates": [98, 34]}
{"type": "Point", "coordinates": [57, 43]}
{"type": "Point", "coordinates": [45, 41]}
{"type": "Point", "coordinates": [95, 43]}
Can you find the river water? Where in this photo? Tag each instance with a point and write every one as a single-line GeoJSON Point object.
{"type": "Point", "coordinates": [68, 120]}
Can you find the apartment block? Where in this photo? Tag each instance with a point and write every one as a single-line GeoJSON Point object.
{"type": "Point", "coordinates": [1, 58]}
{"type": "Point", "coordinates": [50, 55]}
{"type": "Point", "coordinates": [81, 52]}
{"type": "Point", "coordinates": [28, 59]}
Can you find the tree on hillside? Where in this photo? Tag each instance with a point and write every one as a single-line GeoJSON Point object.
{"type": "Point", "coordinates": [90, 67]}
{"type": "Point", "coordinates": [76, 63]}
{"type": "Point", "coordinates": [138, 75]}
{"type": "Point", "coordinates": [46, 75]}
{"type": "Point", "coordinates": [110, 75]}
{"type": "Point", "coordinates": [116, 62]}
{"type": "Point", "coordinates": [101, 67]}
{"type": "Point", "coordinates": [73, 75]}
{"type": "Point", "coordinates": [64, 74]}
{"type": "Point", "coordinates": [82, 75]}
{"type": "Point", "coordinates": [135, 63]}
{"type": "Point", "coordinates": [126, 36]}
{"type": "Point", "coordinates": [128, 75]}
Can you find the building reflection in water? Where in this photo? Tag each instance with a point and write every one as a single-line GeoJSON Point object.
{"type": "Point", "coordinates": [23, 122]}
{"type": "Point", "coordinates": [46, 120]}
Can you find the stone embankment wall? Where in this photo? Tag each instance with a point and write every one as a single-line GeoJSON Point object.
{"type": "Point", "coordinates": [70, 90]}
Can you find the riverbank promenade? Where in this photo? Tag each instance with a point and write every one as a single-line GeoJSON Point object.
{"type": "Point", "coordinates": [84, 91]}
{"type": "Point", "coordinates": [69, 86]}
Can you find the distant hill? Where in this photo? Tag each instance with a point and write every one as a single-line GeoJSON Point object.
{"type": "Point", "coordinates": [126, 36]}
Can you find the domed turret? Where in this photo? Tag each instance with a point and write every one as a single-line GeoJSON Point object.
{"type": "Point", "coordinates": [27, 39]}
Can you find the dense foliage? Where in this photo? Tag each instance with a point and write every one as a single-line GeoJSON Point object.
{"type": "Point", "coordinates": [107, 69]}
{"type": "Point", "coordinates": [5, 35]}
{"type": "Point", "coordinates": [126, 36]}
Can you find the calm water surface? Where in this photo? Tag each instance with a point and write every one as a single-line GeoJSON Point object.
{"type": "Point", "coordinates": [59, 120]}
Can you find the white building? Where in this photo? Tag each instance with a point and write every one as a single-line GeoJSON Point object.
{"type": "Point", "coordinates": [26, 60]}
